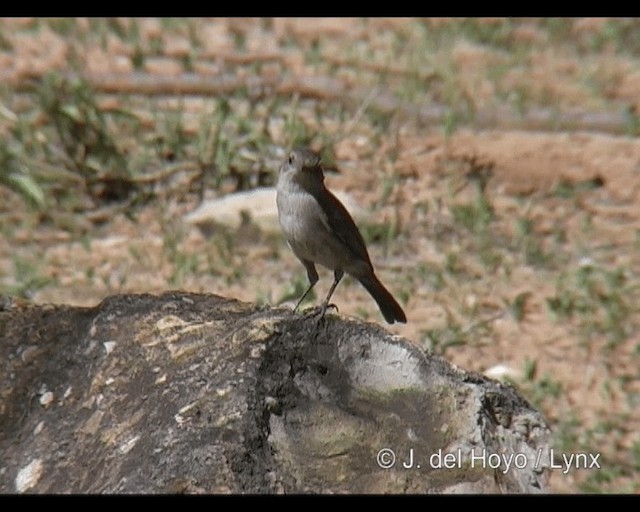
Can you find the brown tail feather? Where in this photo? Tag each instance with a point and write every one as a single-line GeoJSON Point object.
{"type": "Point", "coordinates": [389, 307]}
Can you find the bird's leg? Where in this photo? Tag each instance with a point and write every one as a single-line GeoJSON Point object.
{"type": "Point", "coordinates": [325, 304]}
{"type": "Point", "coordinates": [313, 279]}
{"type": "Point", "coordinates": [303, 297]}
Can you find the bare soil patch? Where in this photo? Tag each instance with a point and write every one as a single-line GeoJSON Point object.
{"type": "Point", "coordinates": [506, 246]}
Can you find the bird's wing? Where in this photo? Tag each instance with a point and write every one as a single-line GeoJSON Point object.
{"type": "Point", "coordinates": [339, 221]}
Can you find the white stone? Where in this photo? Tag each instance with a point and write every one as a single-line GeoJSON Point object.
{"type": "Point", "coordinates": [260, 204]}
{"type": "Point", "coordinates": [29, 475]}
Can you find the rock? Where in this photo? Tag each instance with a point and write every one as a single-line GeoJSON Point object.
{"type": "Point", "coordinates": [260, 206]}
{"type": "Point", "coordinates": [197, 393]}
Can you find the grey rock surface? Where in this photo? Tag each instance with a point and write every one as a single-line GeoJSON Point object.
{"type": "Point", "coordinates": [198, 393]}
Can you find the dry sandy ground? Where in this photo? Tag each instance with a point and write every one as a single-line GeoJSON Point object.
{"type": "Point", "coordinates": [588, 387]}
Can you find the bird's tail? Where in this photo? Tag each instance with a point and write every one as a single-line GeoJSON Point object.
{"type": "Point", "coordinates": [389, 307]}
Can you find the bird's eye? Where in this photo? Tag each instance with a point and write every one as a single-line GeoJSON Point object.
{"type": "Point", "coordinates": [292, 158]}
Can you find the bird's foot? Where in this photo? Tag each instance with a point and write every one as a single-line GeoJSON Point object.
{"type": "Point", "coordinates": [312, 311]}
{"type": "Point", "coordinates": [331, 306]}
{"type": "Point", "coordinates": [319, 311]}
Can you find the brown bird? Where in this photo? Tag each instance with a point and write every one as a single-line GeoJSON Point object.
{"type": "Point", "coordinates": [320, 230]}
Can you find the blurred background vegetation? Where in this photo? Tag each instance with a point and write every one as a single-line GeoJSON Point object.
{"type": "Point", "coordinates": [112, 129]}
{"type": "Point", "coordinates": [217, 98]}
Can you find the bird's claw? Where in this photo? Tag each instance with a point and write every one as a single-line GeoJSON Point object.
{"type": "Point", "coordinates": [332, 306]}
{"type": "Point", "coordinates": [319, 310]}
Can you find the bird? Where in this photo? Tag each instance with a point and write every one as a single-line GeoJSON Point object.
{"type": "Point", "coordinates": [320, 230]}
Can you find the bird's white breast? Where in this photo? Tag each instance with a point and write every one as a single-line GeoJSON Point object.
{"type": "Point", "coordinates": [305, 227]}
